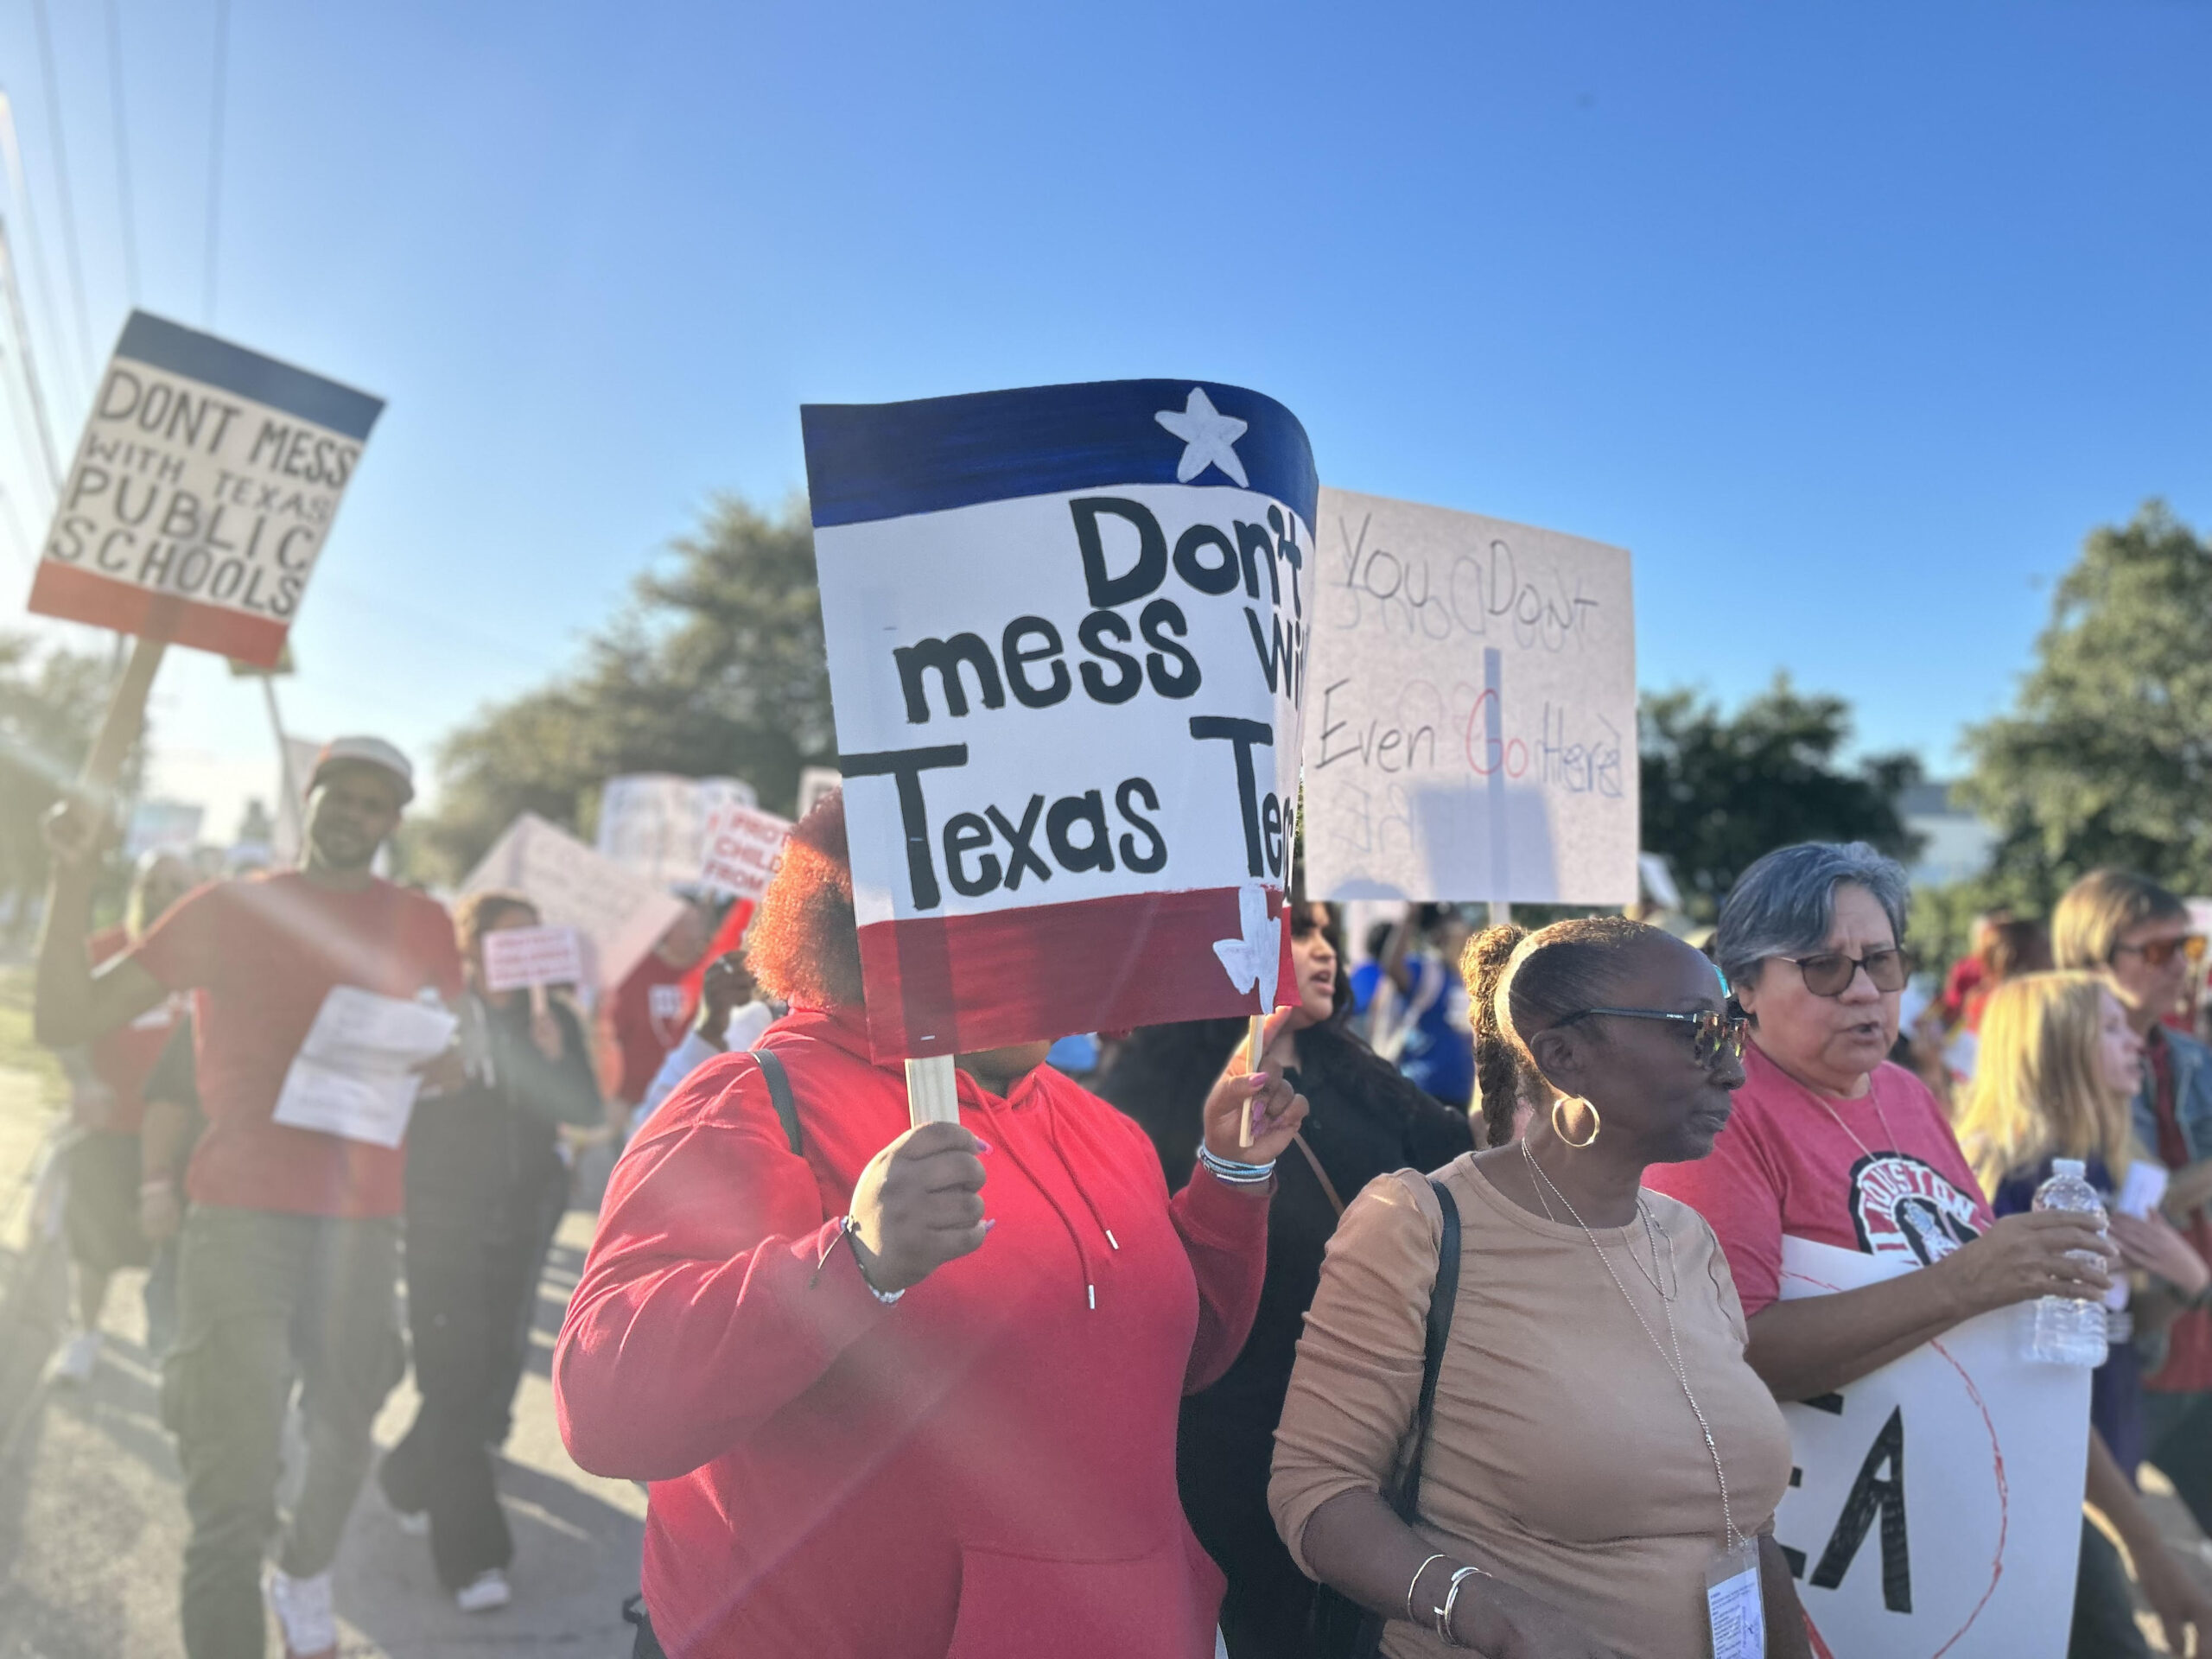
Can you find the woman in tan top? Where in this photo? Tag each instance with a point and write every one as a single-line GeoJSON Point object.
{"type": "Point", "coordinates": [1570, 1505]}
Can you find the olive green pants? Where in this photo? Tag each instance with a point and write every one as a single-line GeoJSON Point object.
{"type": "Point", "coordinates": [267, 1302]}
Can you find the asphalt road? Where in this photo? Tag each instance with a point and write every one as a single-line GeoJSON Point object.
{"type": "Point", "coordinates": [92, 1523]}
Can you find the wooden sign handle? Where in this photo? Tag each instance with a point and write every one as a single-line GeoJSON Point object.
{"type": "Point", "coordinates": [932, 1092]}
{"type": "Point", "coordinates": [125, 717]}
{"type": "Point", "coordinates": [1255, 1047]}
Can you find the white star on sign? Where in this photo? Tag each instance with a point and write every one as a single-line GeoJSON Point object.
{"type": "Point", "coordinates": [1207, 436]}
{"type": "Point", "coordinates": [1255, 960]}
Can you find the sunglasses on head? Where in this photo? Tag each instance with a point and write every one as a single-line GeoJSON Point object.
{"type": "Point", "coordinates": [2160, 952]}
{"type": "Point", "coordinates": [1830, 973]}
{"type": "Point", "coordinates": [1712, 1033]}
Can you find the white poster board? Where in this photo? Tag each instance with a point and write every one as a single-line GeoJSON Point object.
{"type": "Point", "coordinates": [1936, 1504]}
{"type": "Point", "coordinates": [1066, 629]}
{"type": "Point", "coordinates": [743, 844]}
{"type": "Point", "coordinates": [622, 916]}
{"type": "Point", "coordinates": [654, 823]}
{"type": "Point", "coordinates": [1471, 710]}
{"type": "Point", "coordinates": [201, 493]}
{"type": "Point", "coordinates": [517, 958]}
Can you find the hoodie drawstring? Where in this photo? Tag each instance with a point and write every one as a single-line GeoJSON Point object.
{"type": "Point", "coordinates": [1090, 1285]}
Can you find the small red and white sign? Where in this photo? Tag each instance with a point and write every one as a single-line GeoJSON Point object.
{"type": "Point", "coordinates": [201, 493]}
{"type": "Point", "coordinates": [743, 844]}
{"type": "Point", "coordinates": [517, 958]}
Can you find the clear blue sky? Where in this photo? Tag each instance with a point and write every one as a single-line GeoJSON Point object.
{"type": "Point", "coordinates": [1849, 320]}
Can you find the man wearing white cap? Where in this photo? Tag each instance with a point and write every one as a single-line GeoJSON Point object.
{"type": "Point", "coordinates": [290, 1250]}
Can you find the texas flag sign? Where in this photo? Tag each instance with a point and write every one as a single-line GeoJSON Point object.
{"type": "Point", "coordinates": [1067, 630]}
{"type": "Point", "coordinates": [203, 489]}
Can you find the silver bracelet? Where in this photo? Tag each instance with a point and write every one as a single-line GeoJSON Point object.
{"type": "Point", "coordinates": [1416, 1583]}
{"type": "Point", "coordinates": [1234, 1174]}
{"type": "Point", "coordinates": [1451, 1600]}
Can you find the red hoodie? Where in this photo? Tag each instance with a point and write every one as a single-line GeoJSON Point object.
{"type": "Point", "coordinates": [986, 1468]}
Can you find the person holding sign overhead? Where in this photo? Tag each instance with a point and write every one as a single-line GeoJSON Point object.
{"type": "Point", "coordinates": [908, 1392]}
{"type": "Point", "coordinates": [484, 1177]}
{"type": "Point", "coordinates": [290, 1254]}
{"type": "Point", "coordinates": [1597, 1467]}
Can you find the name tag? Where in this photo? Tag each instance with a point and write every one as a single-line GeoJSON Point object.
{"type": "Point", "coordinates": [1732, 1604]}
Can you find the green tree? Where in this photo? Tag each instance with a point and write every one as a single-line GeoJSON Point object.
{"type": "Point", "coordinates": [2107, 755]}
{"type": "Point", "coordinates": [51, 703]}
{"type": "Point", "coordinates": [715, 668]}
{"type": "Point", "coordinates": [1719, 790]}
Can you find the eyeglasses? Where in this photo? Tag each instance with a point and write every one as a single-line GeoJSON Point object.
{"type": "Point", "coordinates": [2160, 952]}
{"type": "Point", "coordinates": [1712, 1033]}
{"type": "Point", "coordinates": [1830, 973]}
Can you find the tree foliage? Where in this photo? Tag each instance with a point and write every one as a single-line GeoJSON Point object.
{"type": "Point", "coordinates": [51, 703]}
{"type": "Point", "coordinates": [715, 668]}
{"type": "Point", "coordinates": [1719, 790]}
{"type": "Point", "coordinates": [2107, 755]}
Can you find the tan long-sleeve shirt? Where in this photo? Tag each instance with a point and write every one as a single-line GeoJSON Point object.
{"type": "Point", "coordinates": [1563, 1457]}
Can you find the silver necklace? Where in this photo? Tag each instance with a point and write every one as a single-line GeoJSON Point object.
{"type": "Point", "coordinates": [1675, 1365]}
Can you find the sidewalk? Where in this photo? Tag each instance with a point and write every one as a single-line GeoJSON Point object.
{"type": "Point", "coordinates": [91, 1522]}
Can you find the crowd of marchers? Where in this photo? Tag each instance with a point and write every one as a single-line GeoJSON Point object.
{"type": "Point", "coordinates": [1449, 1319]}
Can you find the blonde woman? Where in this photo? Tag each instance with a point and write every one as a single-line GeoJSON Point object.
{"type": "Point", "coordinates": [2059, 1065]}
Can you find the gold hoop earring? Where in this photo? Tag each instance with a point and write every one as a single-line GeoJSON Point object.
{"type": "Point", "coordinates": [1595, 1125]}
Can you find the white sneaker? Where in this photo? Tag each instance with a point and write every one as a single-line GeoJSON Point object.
{"type": "Point", "coordinates": [76, 1361]}
{"type": "Point", "coordinates": [303, 1607]}
{"type": "Point", "coordinates": [487, 1592]}
{"type": "Point", "coordinates": [416, 1523]}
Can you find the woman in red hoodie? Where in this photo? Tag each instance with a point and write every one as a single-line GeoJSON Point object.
{"type": "Point", "coordinates": [869, 1431]}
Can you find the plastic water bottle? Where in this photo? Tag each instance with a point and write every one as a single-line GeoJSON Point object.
{"type": "Point", "coordinates": [2067, 1332]}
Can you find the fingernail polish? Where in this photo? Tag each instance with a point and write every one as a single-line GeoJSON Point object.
{"type": "Point", "coordinates": [981, 1145]}
{"type": "Point", "coordinates": [990, 1222]}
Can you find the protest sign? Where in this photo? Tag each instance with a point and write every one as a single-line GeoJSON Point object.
{"type": "Point", "coordinates": [622, 916]}
{"type": "Point", "coordinates": [815, 782]}
{"type": "Point", "coordinates": [1936, 1504]}
{"type": "Point", "coordinates": [1471, 727]}
{"type": "Point", "coordinates": [516, 958]}
{"type": "Point", "coordinates": [205, 486]}
{"type": "Point", "coordinates": [162, 826]}
{"type": "Point", "coordinates": [654, 823]}
{"type": "Point", "coordinates": [742, 845]}
{"type": "Point", "coordinates": [1067, 630]}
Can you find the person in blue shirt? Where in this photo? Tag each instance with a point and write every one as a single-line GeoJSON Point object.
{"type": "Point", "coordinates": [1414, 1001]}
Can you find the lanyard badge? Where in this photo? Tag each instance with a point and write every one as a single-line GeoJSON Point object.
{"type": "Point", "coordinates": [1732, 1603]}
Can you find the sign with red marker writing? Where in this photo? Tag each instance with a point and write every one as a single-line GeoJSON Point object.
{"type": "Point", "coordinates": [743, 844]}
{"type": "Point", "coordinates": [1471, 726]}
{"type": "Point", "coordinates": [517, 957]}
{"type": "Point", "coordinates": [1066, 631]}
{"type": "Point", "coordinates": [202, 492]}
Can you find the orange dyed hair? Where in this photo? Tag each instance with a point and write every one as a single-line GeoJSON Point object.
{"type": "Point", "coordinates": [804, 947]}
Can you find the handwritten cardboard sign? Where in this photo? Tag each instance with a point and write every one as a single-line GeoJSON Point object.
{"type": "Point", "coordinates": [202, 490]}
{"type": "Point", "coordinates": [1066, 632]}
{"type": "Point", "coordinates": [654, 823]}
{"type": "Point", "coordinates": [1470, 721]}
{"type": "Point", "coordinates": [743, 844]}
{"type": "Point", "coordinates": [516, 958]}
{"type": "Point", "coordinates": [620, 915]}
{"type": "Point", "coordinates": [1936, 1504]}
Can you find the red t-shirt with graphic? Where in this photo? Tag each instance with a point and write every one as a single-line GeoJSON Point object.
{"type": "Point", "coordinates": [1785, 1165]}
{"type": "Point", "coordinates": [650, 1012]}
{"type": "Point", "coordinates": [263, 953]}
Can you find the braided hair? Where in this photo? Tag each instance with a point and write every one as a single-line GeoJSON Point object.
{"type": "Point", "coordinates": [1522, 982]}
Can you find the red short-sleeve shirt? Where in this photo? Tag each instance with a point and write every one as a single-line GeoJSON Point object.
{"type": "Point", "coordinates": [264, 952]}
{"type": "Point", "coordinates": [650, 1011]}
{"type": "Point", "coordinates": [1785, 1165]}
{"type": "Point", "coordinates": [124, 1058]}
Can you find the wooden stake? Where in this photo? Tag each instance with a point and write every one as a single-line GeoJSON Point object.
{"type": "Point", "coordinates": [119, 728]}
{"type": "Point", "coordinates": [932, 1092]}
{"type": "Point", "coordinates": [1255, 1047]}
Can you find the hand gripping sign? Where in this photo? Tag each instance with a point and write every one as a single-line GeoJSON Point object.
{"type": "Point", "coordinates": [203, 489]}
{"type": "Point", "coordinates": [1066, 632]}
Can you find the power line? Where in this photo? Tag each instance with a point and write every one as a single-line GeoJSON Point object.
{"type": "Point", "coordinates": [122, 147]}
{"type": "Point", "coordinates": [61, 187]}
{"type": "Point", "coordinates": [215, 155]}
{"type": "Point", "coordinates": [14, 293]}
{"type": "Point", "coordinates": [12, 152]}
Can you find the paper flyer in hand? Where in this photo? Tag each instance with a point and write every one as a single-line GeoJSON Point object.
{"type": "Point", "coordinates": [1067, 629]}
{"type": "Point", "coordinates": [355, 1075]}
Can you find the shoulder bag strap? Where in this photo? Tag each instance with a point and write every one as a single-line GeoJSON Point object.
{"type": "Point", "coordinates": [1441, 1301]}
{"type": "Point", "coordinates": [779, 1090]}
{"type": "Point", "coordinates": [1328, 1187]}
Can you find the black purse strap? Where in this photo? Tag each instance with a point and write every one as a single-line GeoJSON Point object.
{"type": "Point", "coordinates": [1442, 1298]}
{"type": "Point", "coordinates": [779, 1091]}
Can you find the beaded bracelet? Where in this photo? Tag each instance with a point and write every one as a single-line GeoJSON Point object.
{"type": "Point", "coordinates": [1234, 1174]}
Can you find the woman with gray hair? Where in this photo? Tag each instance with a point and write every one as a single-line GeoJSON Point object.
{"type": "Point", "coordinates": [1830, 1142]}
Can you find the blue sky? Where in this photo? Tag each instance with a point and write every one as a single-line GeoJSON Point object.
{"type": "Point", "coordinates": [1848, 320]}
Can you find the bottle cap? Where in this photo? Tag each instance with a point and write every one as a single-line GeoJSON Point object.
{"type": "Point", "coordinates": [2073, 1166]}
